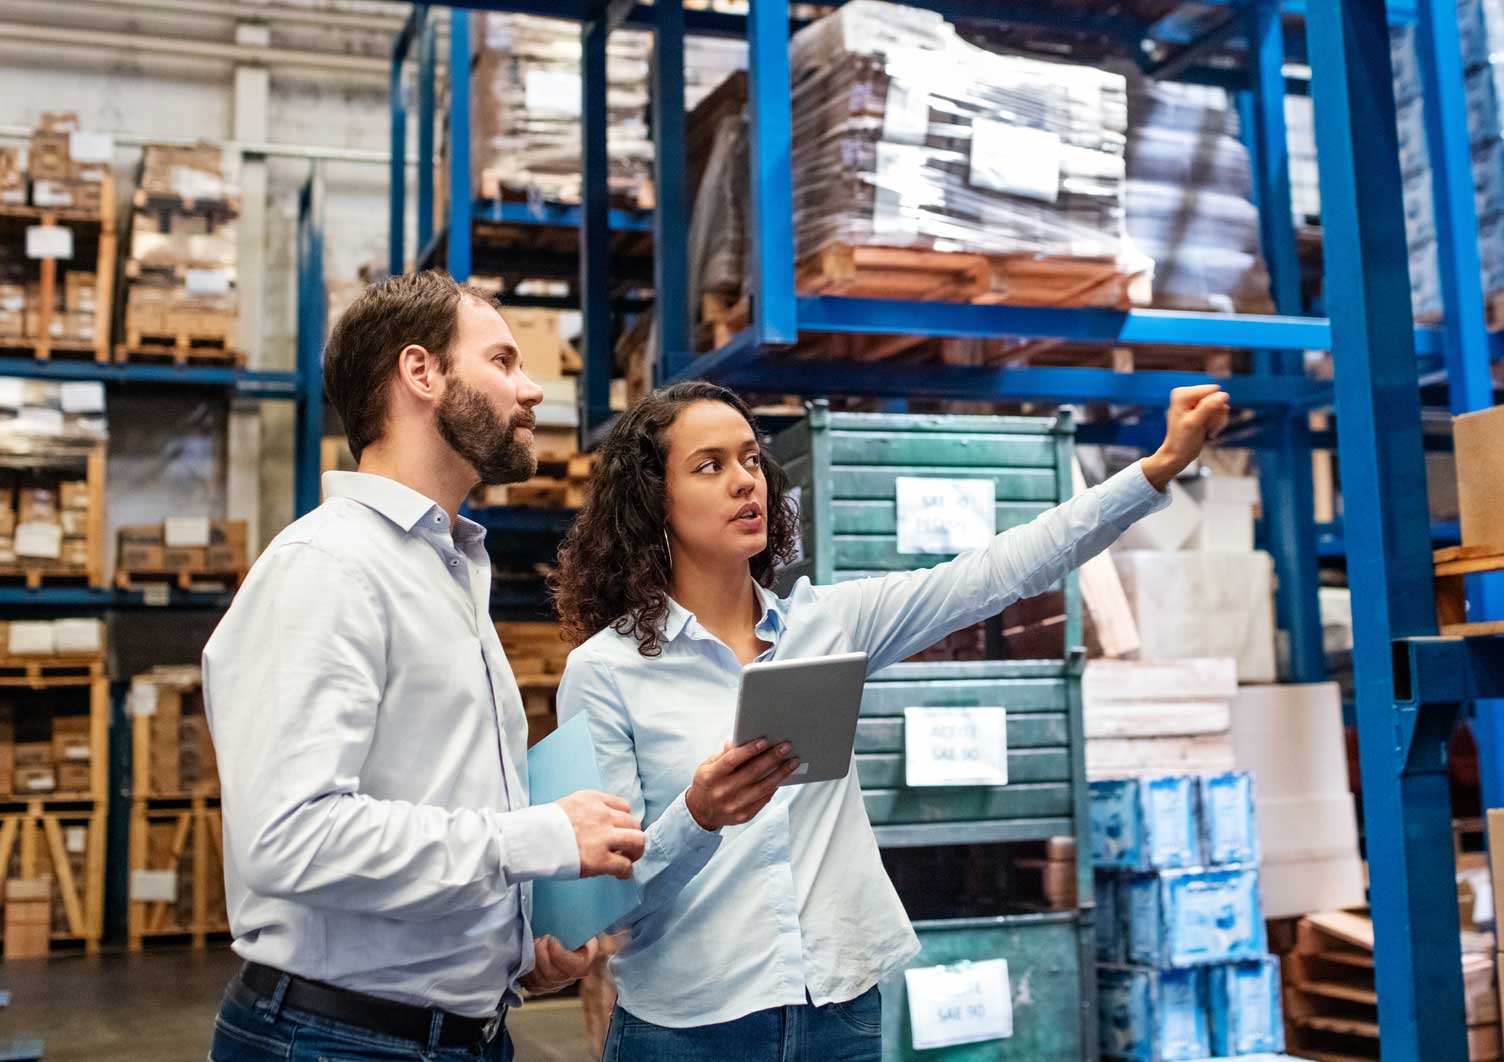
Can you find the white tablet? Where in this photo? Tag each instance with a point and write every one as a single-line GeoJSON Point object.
{"type": "Point", "coordinates": [811, 703]}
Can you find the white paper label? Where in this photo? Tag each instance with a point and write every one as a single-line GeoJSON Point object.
{"type": "Point", "coordinates": [962, 1004]}
{"type": "Point", "coordinates": [82, 396]}
{"type": "Point", "coordinates": [77, 752]}
{"type": "Point", "coordinates": [91, 147]}
{"type": "Point", "coordinates": [906, 113]}
{"type": "Point", "coordinates": [76, 840]}
{"type": "Point", "coordinates": [552, 92]}
{"type": "Point", "coordinates": [49, 241]}
{"type": "Point", "coordinates": [154, 885]}
{"type": "Point", "coordinates": [955, 746]}
{"type": "Point", "coordinates": [945, 516]}
{"type": "Point", "coordinates": [143, 699]}
{"type": "Point", "coordinates": [51, 194]}
{"type": "Point", "coordinates": [30, 637]}
{"type": "Point", "coordinates": [156, 595]}
{"type": "Point", "coordinates": [12, 392]}
{"type": "Point", "coordinates": [39, 420]}
{"type": "Point", "coordinates": [1015, 159]}
{"type": "Point", "coordinates": [41, 782]}
{"type": "Point", "coordinates": [185, 532]}
{"type": "Point", "coordinates": [77, 635]}
{"type": "Point", "coordinates": [208, 281]}
{"type": "Point", "coordinates": [39, 540]}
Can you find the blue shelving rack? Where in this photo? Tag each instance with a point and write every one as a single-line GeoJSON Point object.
{"type": "Point", "coordinates": [1411, 684]}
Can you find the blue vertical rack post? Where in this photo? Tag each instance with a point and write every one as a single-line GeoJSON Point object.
{"type": "Point", "coordinates": [671, 218]}
{"type": "Point", "coordinates": [1402, 747]}
{"type": "Point", "coordinates": [312, 316]}
{"type": "Point", "coordinates": [595, 224]}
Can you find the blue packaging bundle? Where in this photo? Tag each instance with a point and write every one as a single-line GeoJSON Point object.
{"type": "Point", "coordinates": [1145, 824]}
{"type": "Point", "coordinates": [1246, 1017]}
{"type": "Point", "coordinates": [1109, 929]}
{"type": "Point", "coordinates": [1152, 1015]}
{"type": "Point", "coordinates": [1229, 833]}
{"type": "Point", "coordinates": [1193, 917]}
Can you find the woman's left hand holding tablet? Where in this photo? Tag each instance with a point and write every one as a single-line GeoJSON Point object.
{"type": "Point", "coordinates": [732, 786]}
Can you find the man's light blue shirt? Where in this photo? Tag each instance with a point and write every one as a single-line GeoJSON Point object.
{"type": "Point", "coordinates": [795, 901]}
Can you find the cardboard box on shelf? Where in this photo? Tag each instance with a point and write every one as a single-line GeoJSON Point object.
{"type": "Point", "coordinates": [540, 339]}
{"type": "Point", "coordinates": [32, 754]}
{"type": "Point", "coordinates": [141, 548]}
{"type": "Point", "coordinates": [32, 780]}
{"type": "Point", "coordinates": [47, 156]}
{"type": "Point", "coordinates": [184, 557]}
{"type": "Point", "coordinates": [28, 918]}
{"type": "Point", "coordinates": [73, 494]}
{"type": "Point", "coordinates": [1478, 441]}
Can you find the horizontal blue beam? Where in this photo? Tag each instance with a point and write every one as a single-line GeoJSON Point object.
{"type": "Point", "coordinates": [1441, 670]}
{"type": "Point", "coordinates": [522, 520]}
{"type": "Point", "coordinates": [1331, 543]}
{"type": "Point", "coordinates": [270, 385]}
{"type": "Point", "coordinates": [559, 215]}
{"type": "Point", "coordinates": [100, 598]}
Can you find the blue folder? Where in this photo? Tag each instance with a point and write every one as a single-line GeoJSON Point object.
{"type": "Point", "coordinates": [572, 911]}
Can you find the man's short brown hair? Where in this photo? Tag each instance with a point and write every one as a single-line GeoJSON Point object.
{"type": "Point", "coordinates": [412, 309]}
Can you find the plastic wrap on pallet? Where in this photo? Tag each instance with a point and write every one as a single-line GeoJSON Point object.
{"type": "Point", "coordinates": [1228, 831]}
{"type": "Point", "coordinates": [1193, 917]}
{"type": "Point", "coordinates": [906, 135]}
{"type": "Point", "coordinates": [708, 61]}
{"type": "Point", "coordinates": [1246, 1017]}
{"type": "Point", "coordinates": [1188, 198]}
{"type": "Point", "coordinates": [525, 106]}
{"type": "Point", "coordinates": [1145, 823]}
{"type": "Point", "coordinates": [1150, 1015]}
{"type": "Point", "coordinates": [718, 226]}
{"type": "Point", "coordinates": [45, 420]}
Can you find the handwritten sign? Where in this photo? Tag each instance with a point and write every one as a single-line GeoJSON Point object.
{"type": "Point", "coordinates": [962, 1004]}
{"type": "Point", "coordinates": [955, 746]}
{"type": "Point", "coordinates": [945, 516]}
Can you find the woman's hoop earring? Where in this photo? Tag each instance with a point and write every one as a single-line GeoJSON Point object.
{"type": "Point", "coordinates": [668, 550]}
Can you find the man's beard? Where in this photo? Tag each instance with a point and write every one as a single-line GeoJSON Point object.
{"type": "Point", "coordinates": [469, 423]}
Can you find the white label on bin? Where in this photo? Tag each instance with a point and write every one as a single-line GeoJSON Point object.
{"type": "Point", "coordinates": [91, 147]}
{"type": "Point", "coordinates": [30, 637]}
{"type": "Point", "coordinates": [160, 886]}
{"type": "Point", "coordinates": [552, 92]}
{"type": "Point", "coordinates": [49, 241]}
{"type": "Point", "coordinates": [906, 113]}
{"type": "Point", "coordinates": [185, 532]}
{"type": "Point", "coordinates": [82, 396]}
{"type": "Point", "coordinates": [955, 746]}
{"type": "Point", "coordinates": [1015, 160]}
{"type": "Point", "coordinates": [945, 516]}
{"type": "Point", "coordinates": [40, 540]}
{"type": "Point", "coordinates": [208, 281]}
{"type": "Point", "coordinates": [962, 1004]}
{"type": "Point", "coordinates": [76, 840]}
{"type": "Point", "coordinates": [143, 700]}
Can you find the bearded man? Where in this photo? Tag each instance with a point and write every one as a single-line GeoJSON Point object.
{"type": "Point", "coordinates": [371, 740]}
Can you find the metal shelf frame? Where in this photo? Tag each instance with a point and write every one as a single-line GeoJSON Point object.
{"type": "Point", "coordinates": [1411, 685]}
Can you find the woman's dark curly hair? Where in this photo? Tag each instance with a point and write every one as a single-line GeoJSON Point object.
{"type": "Point", "coordinates": [614, 567]}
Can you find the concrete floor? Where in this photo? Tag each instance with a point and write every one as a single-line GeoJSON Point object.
{"type": "Point", "coordinates": [159, 1007]}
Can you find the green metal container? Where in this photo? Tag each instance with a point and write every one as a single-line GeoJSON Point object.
{"type": "Point", "coordinates": [1050, 977]}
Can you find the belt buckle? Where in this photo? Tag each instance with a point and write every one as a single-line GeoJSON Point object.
{"type": "Point", "coordinates": [492, 1027]}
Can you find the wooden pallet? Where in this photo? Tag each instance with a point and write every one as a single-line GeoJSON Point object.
{"type": "Point", "coordinates": [40, 839]}
{"type": "Point", "coordinates": [536, 652]}
{"type": "Point", "coordinates": [36, 576]}
{"type": "Point", "coordinates": [1452, 566]}
{"type": "Point", "coordinates": [44, 672]}
{"type": "Point", "coordinates": [195, 854]}
{"type": "Point", "coordinates": [48, 349]}
{"type": "Point", "coordinates": [182, 578]}
{"type": "Point", "coordinates": [180, 348]}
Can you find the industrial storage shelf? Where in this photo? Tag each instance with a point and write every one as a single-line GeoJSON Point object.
{"type": "Point", "coordinates": [95, 598]}
{"type": "Point", "coordinates": [247, 383]}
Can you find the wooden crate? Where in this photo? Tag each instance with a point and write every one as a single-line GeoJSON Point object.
{"type": "Point", "coordinates": [34, 573]}
{"type": "Point", "coordinates": [58, 674]}
{"type": "Point", "coordinates": [172, 749]}
{"type": "Point", "coordinates": [182, 337]}
{"type": "Point", "coordinates": [92, 229]}
{"type": "Point", "coordinates": [1452, 565]}
{"type": "Point", "coordinates": [177, 873]}
{"type": "Point", "coordinates": [64, 842]}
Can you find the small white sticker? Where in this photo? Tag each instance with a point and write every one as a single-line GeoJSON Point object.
{"type": "Point", "coordinates": [945, 516]}
{"type": "Point", "coordinates": [39, 420]}
{"type": "Point", "coordinates": [143, 700]}
{"type": "Point", "coordinates": [962, 1004]}
{"type": "Point", "coordinates": [41, 782]}
{"type": "Point", "coordinates": [91, 147]}
{"type": "Point", "coordinates": [39, 540]}
{"type": "Point", "coordinates": [12, 392]}
{"type": "Point", "coordinates": [77, 635]}
{"type": "Point", "coordinates": [207, 282]}
{"type": "Point", "coordinates": [159, 886]}
{"type": "Point", "coordinates": [51, 194]}
{"type": "Point", "coordinates": [955, 746]}
{"type": "Point", "coordinates": [185, 532]}
{"type": "Point", "coordinates": [82, 396]}
{"type": "Point", "coordinates": [76, 840]}
{"type": "Point", "coordinates": [906, 113]}
{"type": "Point", "coordinates": [77, 752]}
{"type": "Point", "coordinates": [49, 241]}
{"type": "Point", "coordinates": [1015, 159]}
{"type": "Point", "coordinates": [30, 637]}
{"type": "Point", "coordinates": [900, 192]}
{"type": "Point", "coordinates": [552, 92]}
{"type": "Point", "coordinates": [156, 595]}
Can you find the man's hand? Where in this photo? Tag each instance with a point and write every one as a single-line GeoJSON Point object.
{"type": "Point", "coordinates": [555, 968]}
{"type": "Point", "coordinates": [736, 783]}
{"type": "Point", "coordinates": [1196, 414]}
{"type": "Point", "coordinates": [610, 839]}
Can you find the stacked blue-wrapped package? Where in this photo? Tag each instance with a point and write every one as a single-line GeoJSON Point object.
{"type": "Point", "coordinates": [1481, 27]}
{"type": "Point", "coordinates": [1181, 946]}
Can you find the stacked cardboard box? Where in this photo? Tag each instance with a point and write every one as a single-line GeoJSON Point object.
{"type": "Point", "coordinates": [191, 544]}
{"type": "Point", "coordinates": [1158, 717]}
{"type": "Point", "coordinates": [28, 918]}
{"type": "Point", "coordinates": [1183, 970]}
{"type": "Point", "coordinates": [12, 178]}
{"type": "Point", "coordinates": [184, 244]}
{"type": "Point", "coordinates": [66, 167]}
{"type": "Point", "coordinates": [179, 752]}
{"type": "Point", "coordinates": [44, 518]}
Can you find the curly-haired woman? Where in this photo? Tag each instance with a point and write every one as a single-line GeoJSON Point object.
{"type": "Point", "coordinates": [764, 936]}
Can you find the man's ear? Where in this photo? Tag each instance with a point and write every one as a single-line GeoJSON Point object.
{"type": "Point", "coordinates": [418, 373]}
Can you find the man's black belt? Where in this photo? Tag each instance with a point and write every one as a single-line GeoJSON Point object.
{"type": "Point", "coordinates": [401, 1020]}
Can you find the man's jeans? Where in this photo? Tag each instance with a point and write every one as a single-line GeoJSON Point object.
{"type": "Point", "coordinates": [250, 1028]}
